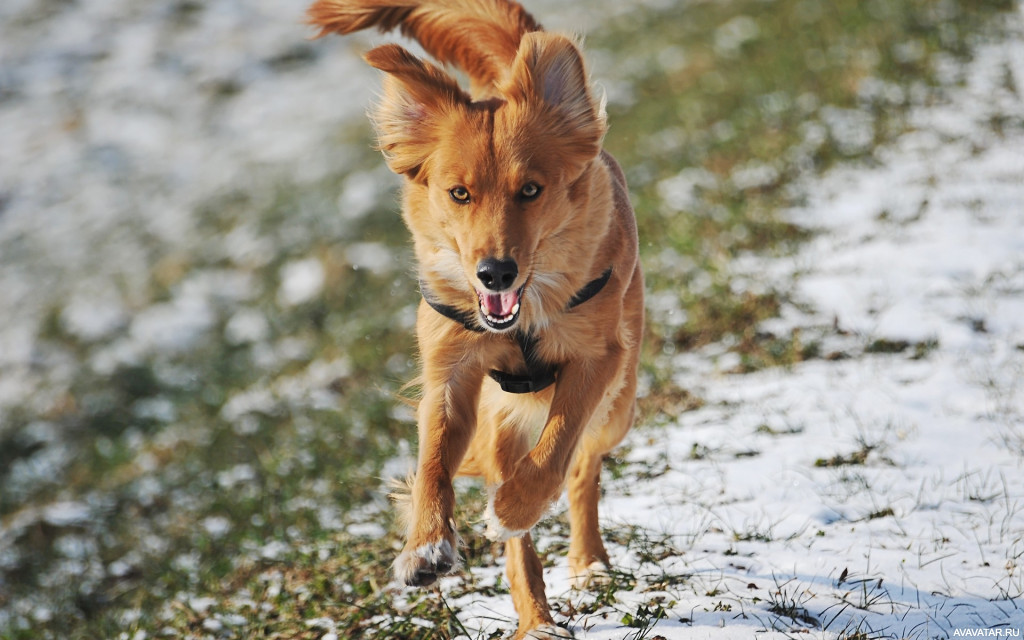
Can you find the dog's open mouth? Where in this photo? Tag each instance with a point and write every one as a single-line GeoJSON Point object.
{"type": "Point", "coordinates": [500, 310]}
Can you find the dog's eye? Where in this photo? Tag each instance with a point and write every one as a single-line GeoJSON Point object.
{"type": "Point", "coordinates": [459, 194]}
{"type": "Point", "coordinates": [530, 191]}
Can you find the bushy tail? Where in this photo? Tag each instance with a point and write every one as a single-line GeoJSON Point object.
{"type": "Point", "coordinates": [481, 37]}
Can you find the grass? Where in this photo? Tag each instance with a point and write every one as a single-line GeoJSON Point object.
{"type": "Point", "coordinates": [220, 483]}
{"type": "Point", "coordinates": [787, 601]}
{"type": "Point", "coordinates": [711, 109]}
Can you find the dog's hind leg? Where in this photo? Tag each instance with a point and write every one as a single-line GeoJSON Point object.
{"type": "Point", "coordinates": [588, 559]}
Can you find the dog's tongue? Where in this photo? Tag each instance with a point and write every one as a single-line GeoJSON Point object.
{"type": "Point", "coordinates": [500, 304]}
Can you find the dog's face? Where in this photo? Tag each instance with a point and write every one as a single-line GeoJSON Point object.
{"type": "Point", "coordinates": [491, 184]}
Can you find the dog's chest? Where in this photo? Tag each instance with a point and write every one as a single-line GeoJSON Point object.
{"type": "Point", "coordinates": [526, 414]}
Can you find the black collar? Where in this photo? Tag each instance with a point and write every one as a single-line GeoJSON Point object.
{"type": "Point", "coordinates": [539, 375]}
{"type": "Point", "coordinates": [590, 289]}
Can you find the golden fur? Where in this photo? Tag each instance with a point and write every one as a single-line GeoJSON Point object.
{"type": "Point", "coordinates": [514, 209]}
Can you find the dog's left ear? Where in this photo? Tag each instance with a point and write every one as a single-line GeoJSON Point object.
{"type": "Point", "coordinates": [416, 95]}
{"type": "Point", "coordinates": [549, 73]}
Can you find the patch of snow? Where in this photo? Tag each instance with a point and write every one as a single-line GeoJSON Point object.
{"type": "Point", "coordinates": [732, 35]}
{"type": "Point", "coordinates": [754, 175]}
{"type": "Point", "coordinates": [275, 550]}
{"type": "Point", "coordinates": [93, 314]}
{"type": "Point", "coordinates": [852, 129]}
{"type": "Point", "coordinates": [360, 193]}
{"type": "Point", "coordinates": [172, 327]}
{"type": "Point", "coordinates": [66, 514]}
{"type": "Point", "coordinates": [374, 256]}
{"type": "Point", "coordinates": [216, 526]}
{"type": "Point", "coordinates": [679, 193]}
{"type": "Point", "coordinates": [301, 281]}
{"type": "Point", "coordinates": [246, 326]}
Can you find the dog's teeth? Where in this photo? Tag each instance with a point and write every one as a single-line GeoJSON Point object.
{"type": "Point", "coordinates": [515, 309]}
{"type": "Point", "coordinates": [502, 320]}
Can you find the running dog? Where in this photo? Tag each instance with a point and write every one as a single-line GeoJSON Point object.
{"type": "Point", "coordinates": [530, 324]}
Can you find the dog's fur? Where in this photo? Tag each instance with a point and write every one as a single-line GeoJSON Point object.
{"type": "Point", "coordinates": [514, 209]}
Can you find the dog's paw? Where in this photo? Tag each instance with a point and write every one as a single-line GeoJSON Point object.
{"type": "Point", "coordinates": [496, 531]}
{"type": "Point", "coordinates": [549, 632]}
{"type": "Point", "coordinates": [421, 566]}
{"type": "Point", "coordinates": [596, 574]}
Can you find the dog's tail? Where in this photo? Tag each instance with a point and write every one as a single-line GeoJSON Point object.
{"type": "Point", "coordinates": [481, 37]}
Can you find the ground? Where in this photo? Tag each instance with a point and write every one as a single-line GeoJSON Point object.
{"type": "Point", "coordinates": [207, 311]}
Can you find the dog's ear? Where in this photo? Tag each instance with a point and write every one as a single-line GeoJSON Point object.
{"type": "Point", "coordinates": [416, 95]}
{"type": "Point", "coordinates": [549, 72]}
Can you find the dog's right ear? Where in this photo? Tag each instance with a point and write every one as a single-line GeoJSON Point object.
{"type": "Point", "coordinates": [416, 95]}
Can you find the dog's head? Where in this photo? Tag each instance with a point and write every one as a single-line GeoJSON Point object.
{"type": "Point", "coordinates": [492, 192]}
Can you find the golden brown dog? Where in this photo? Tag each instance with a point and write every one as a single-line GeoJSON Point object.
{"type": "Point", "coordinates": [532, 311]}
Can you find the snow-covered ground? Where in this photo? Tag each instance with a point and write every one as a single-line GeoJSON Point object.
{"type": "Point", "coordinates": [878, 488]}
{"type": "Point", "coordinates": [119, 121]}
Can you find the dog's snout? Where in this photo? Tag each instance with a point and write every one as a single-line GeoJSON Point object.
{"type": "Point", "coordinates": [497, 275]}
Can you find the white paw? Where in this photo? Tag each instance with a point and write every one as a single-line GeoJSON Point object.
{"type": "Point", "coordinates": [549, 632]}
{"type": "Point", "coordinates": [497, 532]}
{"type": "Point", "coordinates": [422, 566]}
{"type": "Point", "coordinates": [596, 574]}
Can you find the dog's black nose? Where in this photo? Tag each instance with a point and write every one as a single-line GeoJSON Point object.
{"type": "Point", "coordinates": [497, 275]}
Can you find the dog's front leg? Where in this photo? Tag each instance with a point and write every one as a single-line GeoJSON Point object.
{"type": "Point", "coordinates": [525, 496]}
{"type": "Point", "coordinates": [447, 419]}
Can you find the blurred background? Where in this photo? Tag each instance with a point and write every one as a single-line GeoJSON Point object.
{"type": "Point", "coordinates": [206, 292]}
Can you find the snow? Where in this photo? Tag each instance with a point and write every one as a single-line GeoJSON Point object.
{"type": "Point", "coordinates": [924, 537]}
{"type": "Point", "coordinates": [374, 256]}
{"type": "Point", "coordinates": [758, 530]}
{"type": "Point", "coordinates": [123, 108]}
{"type": "Point", "coordinates": [301, 281]}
